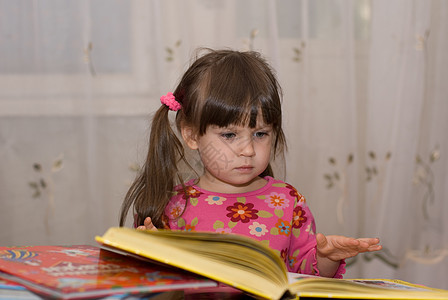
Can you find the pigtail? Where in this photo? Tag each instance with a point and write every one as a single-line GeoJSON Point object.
{"type": "Point", "coordinates": [152, 189]}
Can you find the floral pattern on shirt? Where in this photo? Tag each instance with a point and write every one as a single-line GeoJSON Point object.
{"type": "Point", "coordinates": [299, 217]}
{"type": "Point", "coordinates": [293, 192]}
{"type": "Point", "coordinates": [284, 227]}
{"type": "Point", "coordinates": [276, 215]}
{"type": "Point", "coordinates": [258, 229]}
{"type": "Point", "coordinates": [176, 210]}
{"type": "Point", "coordinates": [215, 200]}
{"type": "Point", "coordinates": [190, 192]}
{"type": "Point", "coordinates": [242, 212]}
{"type": "Point", "coordinates": [276, 200]}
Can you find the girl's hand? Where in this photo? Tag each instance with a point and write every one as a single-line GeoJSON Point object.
{"type": "Point", "coordinates": [147, 225]}
{"type": "Point", "coordinates": [338, 247]}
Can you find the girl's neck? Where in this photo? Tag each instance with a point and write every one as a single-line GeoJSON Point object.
{"type": "Point", "coordinates": [218, 186]}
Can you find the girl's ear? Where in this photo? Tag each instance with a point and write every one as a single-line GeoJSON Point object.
{"type": "Point", "coordinates": [189, 137]}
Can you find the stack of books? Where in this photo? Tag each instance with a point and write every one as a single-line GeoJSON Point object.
{"type": "Point", "coordinates": [135, 264]}
{"type": "Point", "coordinates": [87, 272]}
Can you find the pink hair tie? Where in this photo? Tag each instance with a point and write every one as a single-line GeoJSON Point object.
{"type": "Point", "coordinates": [170, 101]}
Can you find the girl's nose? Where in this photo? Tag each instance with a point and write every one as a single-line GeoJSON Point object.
{"type": "Point", "coordinates": [247, 148]}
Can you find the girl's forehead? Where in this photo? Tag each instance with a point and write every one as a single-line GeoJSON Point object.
{"type": "Point", "coordinates": [245, 113]}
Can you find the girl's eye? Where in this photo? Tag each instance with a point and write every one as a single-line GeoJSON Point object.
{"type": "Point", "coordinates": [228, 135]}
{"type": "Point", "coordinates": [260, 134]}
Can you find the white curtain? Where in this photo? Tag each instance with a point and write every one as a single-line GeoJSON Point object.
{"type": "Point", "coordinates": [365, 105]}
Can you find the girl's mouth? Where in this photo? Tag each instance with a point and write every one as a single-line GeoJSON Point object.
{"type": "Point", "coordinates": [245, 169]}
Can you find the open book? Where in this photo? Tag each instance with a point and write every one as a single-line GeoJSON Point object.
{"type": "Point", "coordinates": [250, 266]}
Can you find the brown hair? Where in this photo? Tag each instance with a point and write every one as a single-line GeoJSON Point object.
{"type": "Point", "coordinates": [221, 87]}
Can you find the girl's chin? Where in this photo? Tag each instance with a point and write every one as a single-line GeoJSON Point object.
{"type": "Point", "coordinates": [244, 184]}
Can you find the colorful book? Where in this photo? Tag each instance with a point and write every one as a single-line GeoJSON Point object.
{"type": "Point", "coordinates": [246, 264]}
{"type": "Point", "coordinates": [10, 285]}
{"type": "Point", "coordinates": [81, 271]}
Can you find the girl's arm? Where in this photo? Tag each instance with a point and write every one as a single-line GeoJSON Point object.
{"type": "Point", "coordinates": [332, 249]}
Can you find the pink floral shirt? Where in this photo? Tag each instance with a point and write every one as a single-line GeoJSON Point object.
{"type": "Point", "coordinates": [276, 215]}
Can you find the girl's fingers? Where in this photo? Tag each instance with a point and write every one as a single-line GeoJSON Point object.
{"type": "Point", "coordinates": [147, 222]}
{"type": "Point", "coordinates": [375, 248]}
{"type": "Point", "coordinates": [371, 241]}
{"type": "Point", "coordinates": [149, 225]}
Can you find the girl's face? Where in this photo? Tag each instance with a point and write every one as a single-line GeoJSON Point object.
{"type": "Point", "coordinates": [233, 156]}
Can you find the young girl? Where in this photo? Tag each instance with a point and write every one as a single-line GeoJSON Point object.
{"type": "Point", "coordinates": [228, 109]}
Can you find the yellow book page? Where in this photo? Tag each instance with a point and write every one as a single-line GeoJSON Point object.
{"type": "Point", "coordinates": [219, 263]}
{"type": "Point", "coordinates": [362, 289]}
